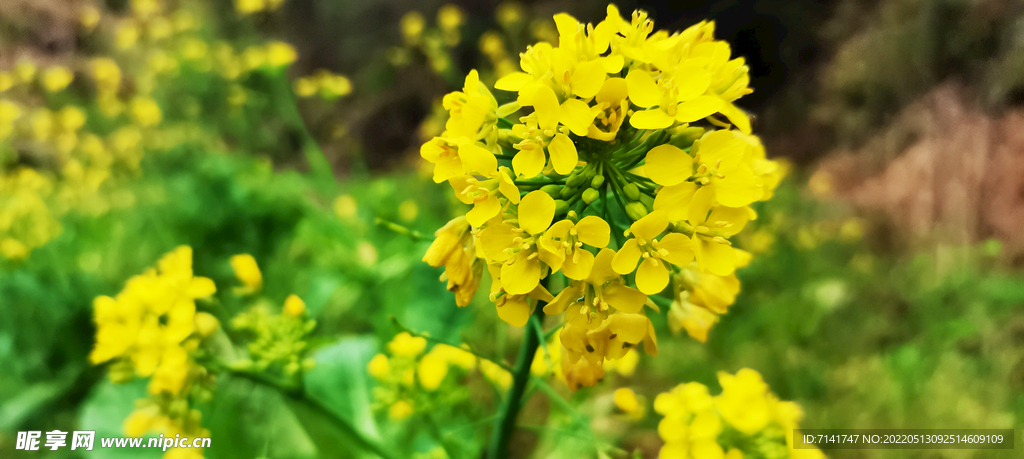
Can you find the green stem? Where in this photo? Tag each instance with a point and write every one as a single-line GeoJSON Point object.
{"type": "Point", "coordinates": [287, 107]}
{"type": "Point", "coordinates": [505, 425]}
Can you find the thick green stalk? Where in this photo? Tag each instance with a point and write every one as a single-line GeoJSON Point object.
{"type": "Point", "coordinates": [505, 424]}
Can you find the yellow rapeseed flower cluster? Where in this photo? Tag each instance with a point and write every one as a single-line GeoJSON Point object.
{"type": "Point", "coordinates": [745, 420]}
{"type": "Point", "coordinates": [408, 376]}
{"type": "Point", "coordinates": [152, 329]}
{"type": "Point", "coordinates": [615, 130]}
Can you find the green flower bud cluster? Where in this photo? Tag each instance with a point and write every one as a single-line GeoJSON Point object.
{"type": "Point", "coordinates": [278, 342]}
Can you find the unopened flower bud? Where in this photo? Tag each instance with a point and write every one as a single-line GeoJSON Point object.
{"type": "Point", "coordinates": [686, 138]}
{"type": "Point", "coordinates": [631, 191]}
{"type": "Point", "coordinates": [552, 190]}
{"type": "Point", "coordinates": [597, 181]}
{"type": "Point", "coordinates": [590, 195]}
{"type": "Point", "coordinates": [561, 207]}
{"type": "Point", "coordinates": [575, 180]}
{"type": "Point", "coordinates": [568, 192]}
{"type": "Point", "coordinates": [636, 210]}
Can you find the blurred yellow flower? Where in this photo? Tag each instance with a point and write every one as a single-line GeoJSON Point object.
{"type": "Point", "coordinates": [408, 210]}
{"type": "Point", "coordinates": [248, 6]}
{"type": "Point", "coordinates": [431, 371]}
{"type": "Point", "coordinates": [406, 345]}
{"type": "Point", "coordinates": [411, 25]}
{"type": "Point", "coordinates": [294, 306]}
{"type": "Point", "coordinates": [400, 410]}
{"type": "Point", "coordinates": [345, 206]}
{"type": "Point", "coordinates": [127, 34]}
{"type": "Point", "coordinates": [280, 54]}
{"type": "Point", "coordinates": [89, 17]}
{"type": "Point", "coordinates": [55, 79]}
{"type": "Point", "coordinates": [146, 112]}
{"type": "Point", "coordinates": [24, 71]}
{"type": "Point", "coordinates": [247, 271]}
{"type": "Point", "coordinates": [378, 367]}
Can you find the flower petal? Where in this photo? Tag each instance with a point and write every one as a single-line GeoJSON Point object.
{"type": "Point", "coordinates": [536, 210]}
{"type": "Point", "coordinates": [476, 159]}
{"type": "Point", "coordinates": [675, 200]}
{"type": "Point", "coordinates": [679, 248]}
{"type": "Point", "coordinates": [626, 258]}
{"type": "Point", "coordinates": [587, 79]}
{"type": "Point", "coordinates": [516, 311]}
{"type": "Point", "coordinates": [528, 163]}
{"type": "Point", "coordinates": [643, 91]}
{"type": "Point", "coordinates": [507, 187]}
{"type": "Point", "coordinates": [653, 118]}
{"type": "Point", "coordinates": [602, 271]}
{"type": "Point", "coordinates": [698, 108]}
{"type": "Point", "coordinates": [651, 276]}
{"type": "Point", "coordinates": [713, 257]}
{"type": "Point", "coordinates": [544, 102]}
{"type": "Point", "coordinates": [563, 154]}
{"type": "Point", "coordinates": [483, 211]}
{"type": "Point", "coordinates": [578, 266]}
{"type": "Point", "coordinates": [513, 81]}
{"type": "Point", "coordinates": [576, 115]}
{"type": "Point", "coordinates": [522, 275]}
{"type": "Point", "coordinates": [593, 231]}
{"type": "Point", "coordinates": [737, 117]}
{"type": "Point", "coordinates": [624, 299]}
{"type": "Point", "coordinates": [668, 165]}
{"type": "Point", "coordinates": [567, 296]}
{"type": "Point", "coordinates": [701, 203]}
{"type": "Point", "coordinates": [650, 226]}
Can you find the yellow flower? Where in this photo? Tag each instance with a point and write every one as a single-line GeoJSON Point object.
{"type": "Point", "coordinates": [70, 118]}
{"type": "Point", "coordinates": [745, 402]}
{"type": "Point", "coordinates": [454, 247]}
{"type": "Point", "coordinates": [379, 367]}
{"type": "Point", "coordinates": [654, 255]}
{"type": "Point", "coordinates": [126, 35]}
{"type": "Point", "coordinates": [484, 194]}
{"type": "Point", "coordinates": [146, 112]}
{"type": "Point", "coordinates": [106, 74]}
{"type": "Point", "coordinates": [561, 246]}
{"type": "Point", "coordinates": [332, 86]}
{"type": "Point", "coordinates": [148, 320]}
{"type": "Point", "coordinates": [206, 324]}
{"type": "Point", "coordinates": [406, 345]}
{"type": "Point", "coordinates": [55, 79]}
{"type": "Point", "coordinates": [280, 54]}
{"type": "Point", "coordinates": [244, 7]}
{"type": "Point", "coordinates": [411, 25]}
{"type": "Point", "coordinates": [515, 308]}
{"type": "Point", "coordinates": [247, 271]}
{"type": "Point", "coordinates": [400, 410]}
{"type": "Point", "coordinates": [89, 17]}
{"type": "Point", "coordinates": [496, 374]}
{"type": "Point", "coordinates": [450, 16]}
{"type": "Point", "coordinates": [627, 401]}
{"type": "Point", "coordinates": [431, 371]}
{"type": "Point", "coordinates": [515, 246]}
{"type": "Point", "coordinates": [472, 111]}
{"type": "Point", "coordinates": [25, 71]}
{"type": "Point", "coordinates": [294, 306]}
{"type": "Point", "coordinates": [306, 86]}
